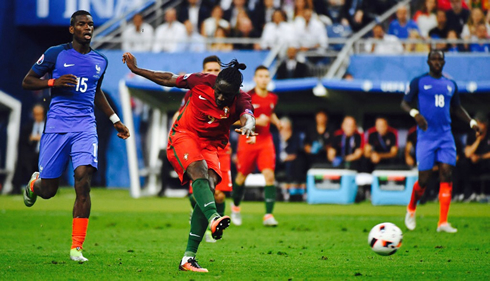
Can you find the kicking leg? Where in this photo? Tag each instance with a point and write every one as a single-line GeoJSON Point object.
{"type": "Point", "coordinates": [44, 188]}
{"type": "Point", "coordinates": [417, 192]}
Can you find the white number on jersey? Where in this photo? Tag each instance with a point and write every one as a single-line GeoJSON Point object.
{"type": "Point", "coordinates": [439, 100]}
{"type": "Point", "coordinates": [81, 84]}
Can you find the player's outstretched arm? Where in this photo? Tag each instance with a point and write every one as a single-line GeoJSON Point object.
{"type": "Point", "coordinates": [33, 82]}
{"type": "Point", "coordinates": [161, 78]}
{"type": "Point", "coordinates": [421, 122]}
{"type": "Point", "coordinates": [247, 122]}
{"type": "Point", "coordinates": [102, 103]}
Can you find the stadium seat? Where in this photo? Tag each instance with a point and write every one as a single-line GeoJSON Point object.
{"type": "Point", "coordinates": [338, 31]}
{"type": "Point", "coordinates": [333, 186]}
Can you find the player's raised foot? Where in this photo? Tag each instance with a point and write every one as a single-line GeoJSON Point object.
{"type": "Point", "coordinates": [76, 255]}
{"type": "Point", "coordinates": [217, 225]}
{"type": "Point", "coordinates": [236, 216]}
{"type": "Point", "coordinates": [191, 264]}
{"type": "Point", "coordinates": [29, 196]}
{"type": "Point", "coordinates": [446, 227]}
{"type": "Point", "coordinates": [209, 237]}
{"type": "Point", "coordinates": [410, 220]}
{"type": "Point", "coordinates": [269, 220]}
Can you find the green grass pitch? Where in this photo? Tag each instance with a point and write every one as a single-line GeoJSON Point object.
{"type": "Point", "coordinates": [144, 239]}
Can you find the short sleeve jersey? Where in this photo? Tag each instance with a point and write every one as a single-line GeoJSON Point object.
{"type": "Point", "coordinates": [72, 109]}
{"type": "Point", "coordinates": [435, 97]}
{"type": "Point", "coordinates": [346, 145]}
{"type": "Point", "coordinates": [384, 143]}
{"type": "Point", "coordinates": [201, 116]}
{"type": "Point", "coordinates": [263, 105]}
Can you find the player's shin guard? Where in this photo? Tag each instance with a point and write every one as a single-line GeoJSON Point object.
{"type": "Point", "coordinates": [199, 224]}
{"type": "Point", "coordinates": [417, 193]}
{"type": "Point", "coordinates": [79, 231]}
{"type": "Point", "coordinates": [270, 198]}
{"type": "Point", "coordinates": [204, 198]}
{"type": "Point", "coordinates": [445, 189]}
{"type": "Point", "coordinates": [237, 194]}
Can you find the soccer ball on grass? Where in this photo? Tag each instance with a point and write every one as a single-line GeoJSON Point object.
{"type": "Point", "coordinates": [385, 238]}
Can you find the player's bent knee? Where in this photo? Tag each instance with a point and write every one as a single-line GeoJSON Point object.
{"type": "Point", "coordinates": [268, 176]}
{"type": "Point", "coordinates": [219, 196]}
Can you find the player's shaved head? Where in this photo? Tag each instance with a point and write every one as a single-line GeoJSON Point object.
{"type": "Point", "coordinates": [436, 51]}
{"type": "Point", "coordinates": [73, 18]}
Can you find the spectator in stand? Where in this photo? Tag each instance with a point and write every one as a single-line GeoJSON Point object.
{"type": "Point", "coordinates": [194, 11]}
{"type": "Point", "coordinates": [347, 146]}
{"type": "Point", "coordinates": [194, 42]}
{"type": "Point", "coordinates": [469, 29]}
{"type": "Point", "coordinates": [263, 14]}
{"type": "Point", "coordinates": [481, 34]}
{"type": "Point", "coordinates": [138, 36]}
{"type": "Point", "coordinates": [367, 11]}
{"type": "Point", "coordinates": [441, 30]}
{"type": "Point", "coordinates": [277, 32]}
{"type": "Point", "coordinates": [221, 46]}
{"type": "Point", "coordinates": [291, 167]}
{"type": "Point", "coordinates": [245, 29]}
{"type": "Point", "coordinates": [28, 148]}
{"type": "Point", "coordinates": [457, 16]}
{"type": "Point", "coordinates": [291, 67]}
{"type": "Point", "coordinates": [232, 14]}
{"type": "Point", "coordinates": [416, 47]}
{"type": "Point", "coordinates": [453, 47]}
{"type": "Point", "coordinates": [170, 34]}
{"type": "Point", "coordinates": [209, 25]}
{"type": "Point", "coordinates": [426, 18]}
{"type": "Point", "coordinates": [389, 44]}
{"type": "Point", "coordinates": [318, 139]}
{"type": "Point", "coordinates": [310, 32]}
{"type": "Point", "coordinates": [478, 151]}
{"type": "Point", "coordinates": [445, 5]}
{"type": "Point", "coordinates": [335, 10]}
{"type": "Point", "coordinates": [402, 25]}
{"type": "Point", "coordinates": [382, 145]}
{"type": "Point", "coordinates": [299, 8]}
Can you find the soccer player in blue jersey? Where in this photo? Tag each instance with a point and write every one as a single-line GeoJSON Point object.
{"type": "Point", "coordinates": [434, 96]}
{"type": "Point", "coordinates": [76, 72]}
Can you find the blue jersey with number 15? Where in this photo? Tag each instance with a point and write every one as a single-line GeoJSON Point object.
{"type": "Point", "coordinates": [72, 109]}
{"type": "Point", "coordinates": [435, 97]}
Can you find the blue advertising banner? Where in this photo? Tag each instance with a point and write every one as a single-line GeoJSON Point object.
{"type": "Point", "coordinates": [58, 12]}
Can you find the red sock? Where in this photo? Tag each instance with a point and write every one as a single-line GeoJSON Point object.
{"type": "Point", "coordinates": [79, 232]}
{"type": "Point", "coordinates": [417, 192]}
{"type": "Point", "coordinates": [445, 190]}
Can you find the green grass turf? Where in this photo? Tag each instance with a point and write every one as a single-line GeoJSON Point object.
{"type": "Point", "coordinates": [145, 238]}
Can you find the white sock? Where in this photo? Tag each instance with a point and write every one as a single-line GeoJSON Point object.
{"type": "Point", "coordinates": [185, 259]}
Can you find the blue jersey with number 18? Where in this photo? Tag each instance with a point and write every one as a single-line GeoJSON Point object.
{"type": "Point", "coordinates": [72, 109]}
{"type": "Point", "coordinates": [435, 97]}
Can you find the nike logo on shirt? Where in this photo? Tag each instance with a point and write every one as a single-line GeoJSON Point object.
{"type": "Point", "coordinates": [68, 65]}
{"type": "Point", "coordinates": [426, 87]}
{"type": "Point", "coordinates": [202, 98]}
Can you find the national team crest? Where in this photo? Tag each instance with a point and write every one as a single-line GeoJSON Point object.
{"type": "Point", "coordinates": [226, 111]}
{"type": "Point", "coordinates": [40, 60]}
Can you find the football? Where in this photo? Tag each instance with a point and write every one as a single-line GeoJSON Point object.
{"type": "Point", "coordinates": [385, 238]}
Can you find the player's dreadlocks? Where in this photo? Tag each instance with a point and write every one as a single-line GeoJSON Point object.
{"type": "Point", "coordinates": [232, 74]}
{"type": "Point", "coordinates": [76, 14]}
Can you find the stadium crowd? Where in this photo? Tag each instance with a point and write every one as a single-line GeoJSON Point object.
{"type": "Point", "coordinates": [305, 25]}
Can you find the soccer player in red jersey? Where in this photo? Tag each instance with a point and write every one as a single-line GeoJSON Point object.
{"type": "Point", "coordinates": [258, 150]}
{"type": "Point", "coordinates": [212, 65]}
{"type": "Point", "coordinates": [203, 126]}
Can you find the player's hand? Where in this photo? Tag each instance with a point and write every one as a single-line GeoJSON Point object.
{"type": "Point", "coordinates": [122, 130]}
{"type": "Point", "coordinates": [67, 80]}
{"type": "Point", "coordinates": [130, 61]}
{"type": "Point", "coordinates": [421, 122]}
{"type": "Point", "coordinates": [375, 158]}
{"type": "Point", "coordinates": [252, 140]}
{"type": "Point", "coordinates": [475, 158]}
{"type": "Point", "coordinates": [477, 130]}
